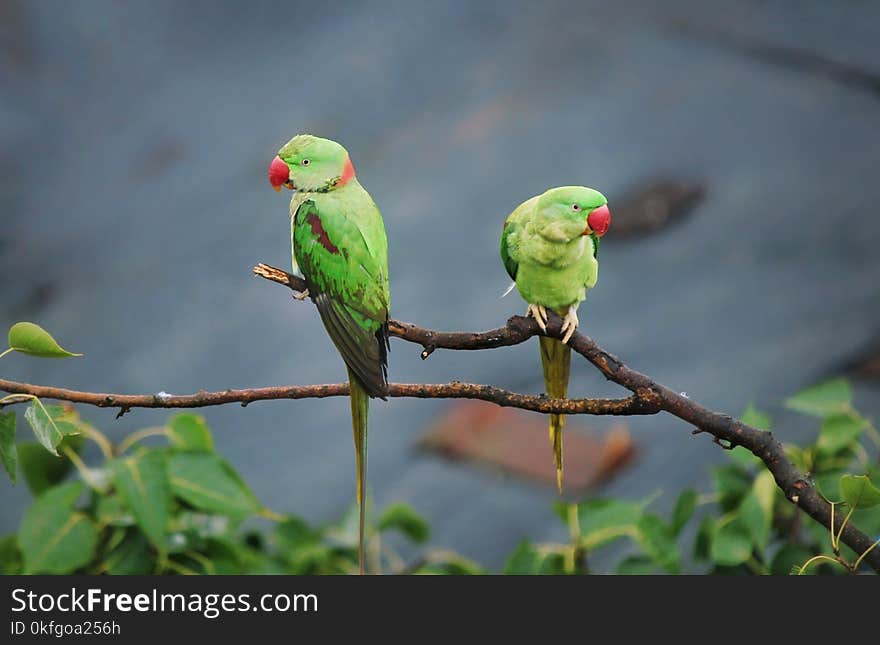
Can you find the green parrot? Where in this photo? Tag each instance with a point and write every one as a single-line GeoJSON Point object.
{"type": "Point", "coordinates": [550, 247]}
{"type": "Point", "coordinates": [339, 246]}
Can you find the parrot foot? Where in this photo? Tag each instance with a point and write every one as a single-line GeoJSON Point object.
{"type": "Point", "coordinates": [569, 323]}
{"type": "Point", "coordinates": [539, 313]}
{"type": "Point", "coordinates": [301, 295]}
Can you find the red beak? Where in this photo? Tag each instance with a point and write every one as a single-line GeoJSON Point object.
{"type": "Point", "coordinates": [279, 174]}
{"type": "Point", "coordinates": [599, 221]}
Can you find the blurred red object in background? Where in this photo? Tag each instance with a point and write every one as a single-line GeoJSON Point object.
{"type": "Point", "coordinates": [516, 442]}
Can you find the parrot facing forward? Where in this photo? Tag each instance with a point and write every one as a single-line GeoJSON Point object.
{"type": "Point", "coordinates": [339, 246]}
{"type": "Point", "coordinates": [550, 246]}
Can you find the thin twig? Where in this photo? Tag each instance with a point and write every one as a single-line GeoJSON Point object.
{"type": "Point", "coordinates": [630, 405]}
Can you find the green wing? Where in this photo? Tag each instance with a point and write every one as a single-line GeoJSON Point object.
{"type": "Point", "coordinates": [347, 277]}
{"type": "Point", "coordinates": [508, 248]}
{"type": "Point", "coordinates": [514, 226]}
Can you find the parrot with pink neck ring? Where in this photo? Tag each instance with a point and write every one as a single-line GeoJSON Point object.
{"type": "Point", "coordinates": [339, 245]}
{"type": "Point", "coordinates": [550, 248]}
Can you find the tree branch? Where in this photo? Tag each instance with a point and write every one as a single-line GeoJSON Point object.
{"type": "Point", "coordinates": [627, 406]}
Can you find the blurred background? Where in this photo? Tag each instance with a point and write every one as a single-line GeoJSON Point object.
{"type": "Point", "coordinates": [134, 142]}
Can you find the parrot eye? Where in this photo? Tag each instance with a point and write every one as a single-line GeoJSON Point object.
{"type": "Point", "coordinates": [575, 207]}
{"type": "Point", "coordinates": [305, 162]}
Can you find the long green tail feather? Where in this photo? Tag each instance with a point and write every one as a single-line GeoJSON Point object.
{"type": "Point", "coordinates": [360, 408]}
{"type": "Point", "coordinates": [556, 361]}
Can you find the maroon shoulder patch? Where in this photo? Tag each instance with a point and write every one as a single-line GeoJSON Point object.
{"type": "Point", "coordinates": [318, 229]}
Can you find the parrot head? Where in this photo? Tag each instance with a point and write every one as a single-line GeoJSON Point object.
{"type": "Point", "coordinates": [566, 213]}
{"type": "Point", "coordinates": [310, 164]}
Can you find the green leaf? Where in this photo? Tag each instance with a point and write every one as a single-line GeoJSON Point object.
{"type": "Point", "coordinates": [10, 556]}
{"type": "Point", "coordinates": [788, 556]}
{"type": "Point", "coordinates": [839, 431]}
{"type": "Point", "coordinates": [756, 509]}
{"type": "Point", "coordinates": [209, 483]}
{"type": "Point", "coordinates": [755, 418]}
{"type": "Point", "coordinates": [658, 541]}
{"type": "Point", "coordinates": [743, 457]}
{"type": "Point", "coordinates": [828, 483]}
{"type": "Point", "coordinates": [41, 469]}
{"type": "Point", "coordinates": [830, 397]}
{"type": "Point", "coordinates": [8, 451]}
{"type": "Point", "coordinates": [142, 482]}
{"type": "Point", "coordinates": [522, 561]}
{"type": "Point", "coordinates": [49, 424]}
{"type": "Point", "coordinates": [53, 537]}
{"type": "Point", "coordinates": [112, 511]}
{"type": "Point", "coordinates": [684, 509]}
{"type": "Point", "coordinates": [452, 565]}
{"type": "Point", "coordinates": [224, 557]}
{"type": "Point", "coordinates": [65, 495]}
{"type": "Point", "coordinates": [552, 564]}
{"type": "Point", "coordinates": [732, 484]}
{"type": "Point", "coordinates": [605, 520]}
{"type": "Point", "coordinates": [218, 557]}
{"type": "Point", "coordinates": [300, 546]}
{"type": "Point", "coordinates": [703, 540]}
{"type": "Point", "coordinates": [293, 534]}
{"type": "Point", "coordinates": [799, 456]}
{"type": "Point", "coordinates": [636, 565]}
{"type": "Point", "coordinates": [190, 432]}
{"type": "Point", "coordinates": [731, 543]}
{"type": "Point", "coordinates": [562, 509]}
{"type": "Point", "coordinates": [31, 339]}
{"type": "Point", "coordinates": [526, 560]}
{"type": "Point", "coordinates": [132, 557]}
{"type": "Point", "coordinates": [859, 492]}
{"type": "Point", "coordinates": [868, 519]}
{"type": "Point", "coordinates": [403, 518]}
